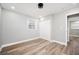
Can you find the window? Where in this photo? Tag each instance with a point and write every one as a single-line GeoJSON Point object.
{"type": "Point", "coordinates": [31, 25]}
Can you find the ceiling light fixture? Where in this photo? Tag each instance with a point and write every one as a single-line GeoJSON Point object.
{"type": "Point", "coordinates": [42, 19]}
{"type": "Point", "coordinates": [12, 7]}
{"type": "Point", "coordinates": [40, 5]}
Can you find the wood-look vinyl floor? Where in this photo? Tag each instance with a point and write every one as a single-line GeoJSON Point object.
{"type": "Point", "coordinates": [43, 47]}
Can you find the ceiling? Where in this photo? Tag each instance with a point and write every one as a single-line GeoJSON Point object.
{"type": "Point", "coordinates": [32, 9]}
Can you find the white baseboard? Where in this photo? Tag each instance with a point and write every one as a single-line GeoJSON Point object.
{"type": "Point", "coordinates": [6, 45]}
{"type": "Point", "coordinates": [55, 41]}
{"type": "Point", "coordinates": [45, 38]}
{"type": "Point", "coordinates": [60, 42]}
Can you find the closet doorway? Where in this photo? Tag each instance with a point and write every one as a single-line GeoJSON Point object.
{"type": "Point", "coordinates": [73, 27]}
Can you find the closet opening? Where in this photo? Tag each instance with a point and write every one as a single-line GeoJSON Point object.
{"type": "Point", "coordinates": [73, 27]}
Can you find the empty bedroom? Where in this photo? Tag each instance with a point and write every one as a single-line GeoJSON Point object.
{"type": "Point", "coordinates": [39, 28]}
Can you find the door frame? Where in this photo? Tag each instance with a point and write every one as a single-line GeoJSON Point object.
{"type": "Point", "coordinates": [67, 25]}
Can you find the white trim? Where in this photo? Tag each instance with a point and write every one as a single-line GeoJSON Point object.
{"type": "Point", "coordinates": [43, 38]}
{"type": "Point", "coordinates": [60, 42]}
{"type": "Point", "coordinates": [6, 45]}
{"type": "Point", "coordinates": [67, 33]}
{"type": "Point", "coordinates": [55, 41]}
{"type": "Point", "coordinates": [46, 39]}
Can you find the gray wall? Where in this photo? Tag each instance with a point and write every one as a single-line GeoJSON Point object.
{"type": "Point", "coordinates": [14, 27]}
{"type": "Point", "coordinates": [45, 29]}
{"type": "Point", "coordinates": [0, 28]}
{"type": "Point", "coordinates": [59, 29]}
